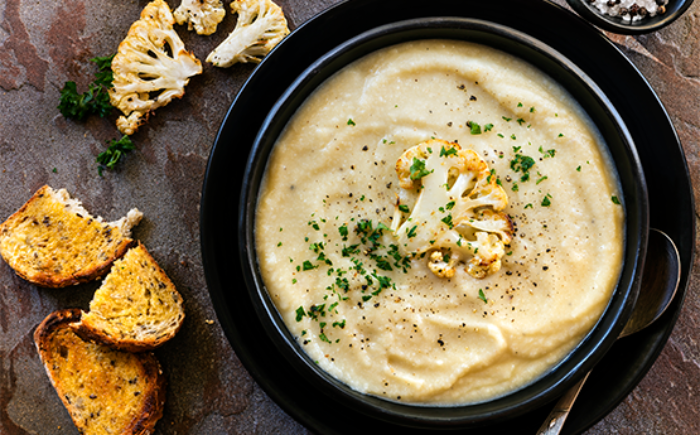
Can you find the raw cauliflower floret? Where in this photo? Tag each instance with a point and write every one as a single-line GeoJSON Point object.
{"type": "Point", "coordinates": [150, 68]}
{"type": "Point", "coordinates": [457, 217]}
{"type": "Point", "coordinates": [203, 15]}
{"type": "Point", "coordinates": [261, 26]}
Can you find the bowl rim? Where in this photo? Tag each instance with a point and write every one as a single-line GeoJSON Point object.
{"type": "Point", "coordinates": [282, 338]}
{"type": "Point", "coordinates": [675, 8]}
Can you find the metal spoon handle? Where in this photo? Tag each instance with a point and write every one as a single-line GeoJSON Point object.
{"type": "Point", "coordinates": [661, 276]}
{"type": "Point", "coordinates": [555, 421]}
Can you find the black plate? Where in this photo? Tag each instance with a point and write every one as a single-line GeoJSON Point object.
{"type": "Point", "coordinates": [664, 166]}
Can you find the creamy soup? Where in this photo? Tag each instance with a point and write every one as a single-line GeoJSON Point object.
{"type": "Point", "coordinates": [364, 301]}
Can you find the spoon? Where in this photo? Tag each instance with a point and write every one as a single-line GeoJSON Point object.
{"type": "Point", "coordinates": [662, 271]}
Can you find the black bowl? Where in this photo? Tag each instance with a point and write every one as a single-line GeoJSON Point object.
{"type": "Point", "coordinates": [620, 145]}
{"type": "Point", "coordinates": [674, 9]}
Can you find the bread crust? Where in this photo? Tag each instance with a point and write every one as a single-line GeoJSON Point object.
{"type": "Point", "coordinates": [96, 327]}
{"type": "Point", "coordinates": [54, 338]}
{"type": "Point", "coordinates": [90, 333]}
{"type": "Point", "coordinates": [50, 274]}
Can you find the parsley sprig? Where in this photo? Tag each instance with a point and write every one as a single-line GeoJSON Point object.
{"type": "Point", "coordinates": [114, 152]}
{"type": "Point", "coordinates": [95, 100]}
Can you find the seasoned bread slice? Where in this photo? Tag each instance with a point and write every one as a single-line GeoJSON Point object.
{"type": "Point", "coordinates": [106, 391]}
{"type": "Point", "coordinates": [52, 241]}
{"type": "Point", "coordinates": [137, 307]}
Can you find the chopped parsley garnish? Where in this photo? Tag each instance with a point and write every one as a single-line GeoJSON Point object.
{"type": "Point", "coordinates": [343, 230]}
{"type": "Point", "coordinates": [412, 231]}
{"type": "Point", "coordinates": [351, 122]}
{"type": "Point", "coordinates": [492, 172]}
{"type": "Point", "coordinates": [506, 119]}
{"type": "Point", "coordinates": [313, 224]}
{"type": "Point", "coordinates": [474, 127]}
{"type": "Point", "coordinates": [308, 266]}
{"type": "Point", "coordinates": [541, 180]}
{"type": "Point", "coordinates": [522, 163]}
{"type": "Point", "coordinates": [418, 170]}
{"type": "Point", "coordinates": [545, 201]}
{"type": "Point", "coordinates": [316, 247]}
{"type": "Point", "coordinates": [342, 284]}
{"type": "Point", "coordinates": [482, 296]}
{"type": "Point", "coordinates": [579, 168]}
{"type": "Point", "coordinates": [450, 205]}
{"type": "Point", "coordinates": [450, 152]}
{"type": "Point", "coordinates": [488, 127]}
{"type": "Point", "coordinates": [315, 310]}
{"type": "Point", "coordinates": [615, 200]}
{"type": "Point", "coordinates": [448, 220]}
{"type": "Point", "coordinates": [384, 281]}
{"type": "Point", "coordinates": [350, 250]}
{"type": "Point", "coordinates": [404, 208]}
{"type": "Point", "coordinates": [300, 313]}
{"type": "Point", "coordinates": [382, 263]}
{"type": "Point", "coordinates": [547, 153]}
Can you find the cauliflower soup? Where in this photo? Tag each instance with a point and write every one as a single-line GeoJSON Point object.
{"type": "Point", "coordinates": [439, 224]}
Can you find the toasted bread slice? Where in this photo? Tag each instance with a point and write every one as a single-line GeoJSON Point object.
{"type": "Point", "coordinates": [137, 307]}
{"type": "Point", "coordinates": [106, 391]}
{"type": "Point", "coordinates": [52, 241]}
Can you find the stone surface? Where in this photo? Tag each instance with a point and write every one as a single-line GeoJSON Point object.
{"type": "Point", "coordinates": [44, 44]}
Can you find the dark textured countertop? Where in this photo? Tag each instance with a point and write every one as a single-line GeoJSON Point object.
{"type": "Point", "coordinates": [44, 44]}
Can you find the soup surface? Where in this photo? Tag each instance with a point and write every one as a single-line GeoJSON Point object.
{"type": "Point", "coordinates": [363, 301]}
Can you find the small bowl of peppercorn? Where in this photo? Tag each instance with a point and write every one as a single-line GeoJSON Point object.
{"type": "Point", "coordinates": [630, 17]}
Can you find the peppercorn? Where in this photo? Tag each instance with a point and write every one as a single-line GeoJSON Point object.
{"type": "Point", "coordinates": [661, 10]}
{"type": "Point", "coordinates": [634, 10]}
{"type": "Point", "coordinates": [643, 12]}
{"type": "Point", "coordinates": [611, 3]}
{"type": "Point", "coordinates": [623, 12]}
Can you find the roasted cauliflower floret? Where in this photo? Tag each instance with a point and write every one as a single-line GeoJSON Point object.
{"type": "Point", "coordinates": [261, 25]}
{"type": "Point", "coordinates": [488, 250]}
{"type": "Point", "coordinates": [458, 215]}
{"type": "Point", "coordinates": [150, 68]}
{"type": "Point", "coordinates": [441, 264]}
{"type": "Point", "coordinates": [203, 15]}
